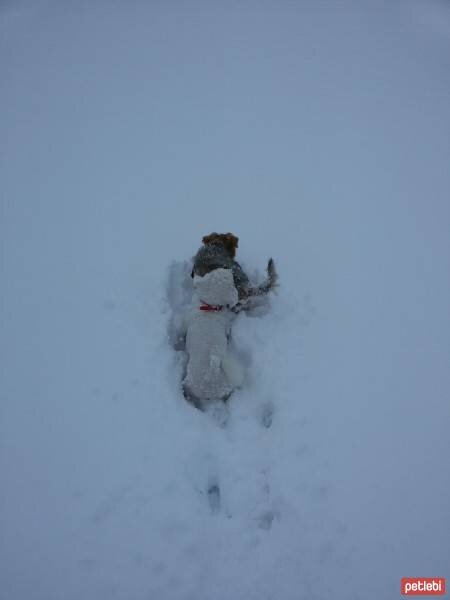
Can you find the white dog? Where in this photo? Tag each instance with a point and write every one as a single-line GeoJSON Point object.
{"type": "Point", "coordinates": [212, 371]}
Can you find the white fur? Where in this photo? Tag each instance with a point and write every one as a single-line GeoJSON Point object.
{"type": "Point", "coordinates": [212, 371]}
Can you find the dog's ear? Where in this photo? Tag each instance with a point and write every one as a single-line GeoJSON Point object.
{"type": "Point", "coordinates": [211, 238]}
{"type": "Point", "coordinates": [230, 242]}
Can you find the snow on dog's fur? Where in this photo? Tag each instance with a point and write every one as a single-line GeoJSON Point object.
{"type": "Point", "coordinates": [212, 372]}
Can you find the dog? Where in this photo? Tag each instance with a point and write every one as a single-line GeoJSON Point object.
{"type": "Point", "coordinates": [212, 372]}
{"type": "Point", "coordinates": [221, 290]}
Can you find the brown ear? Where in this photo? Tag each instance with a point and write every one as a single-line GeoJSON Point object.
{"type": "Point", "coordinates": [230, 242]}
{"type": "Point", "coordinates": [231, 239]}
{"type": "Point", "coordinates": [211, 238]}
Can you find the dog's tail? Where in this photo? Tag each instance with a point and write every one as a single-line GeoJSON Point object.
{"type": "Point", "coordinates": [272, 275]}
{"type": "Point", "coordinates": [271, 282]}
{"type": "Point", "coordinates": [269, 285]}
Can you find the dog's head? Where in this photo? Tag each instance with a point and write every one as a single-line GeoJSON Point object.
{"type": "Point", "coordinates": [227, 240]}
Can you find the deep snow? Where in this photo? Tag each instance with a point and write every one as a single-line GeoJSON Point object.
{"type": "Point", "coordinates": [318, 132]}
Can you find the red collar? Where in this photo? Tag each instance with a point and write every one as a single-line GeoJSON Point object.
{"type": "Point", "coordinates": [210, 307]}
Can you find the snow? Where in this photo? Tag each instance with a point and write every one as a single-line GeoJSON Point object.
{"type": "Point", "coordinates": [319, 134]}
{"type": "Point", "coordinates": [211, 365]}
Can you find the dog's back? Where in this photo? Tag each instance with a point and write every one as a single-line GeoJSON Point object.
{"type": "Point", "coordinates": [208, 327]}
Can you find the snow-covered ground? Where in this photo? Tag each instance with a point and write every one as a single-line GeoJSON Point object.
{"type": "Point", "coordinates": [318, 132]}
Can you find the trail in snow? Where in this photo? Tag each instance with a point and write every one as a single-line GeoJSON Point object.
{"type": "Point", "coordinates": [239, 473]}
